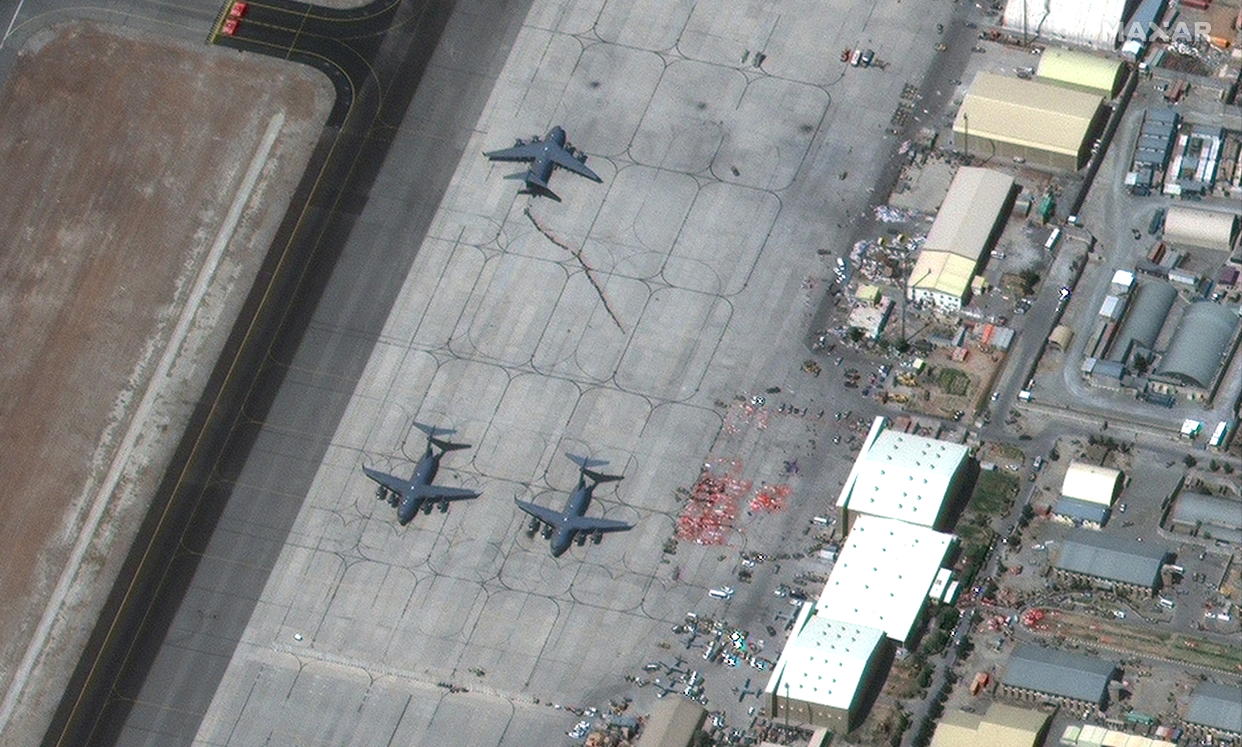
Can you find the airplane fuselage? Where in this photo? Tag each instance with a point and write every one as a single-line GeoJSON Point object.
{"type": "Point", "coordinates": [543, 166]}
{"type": "Point", "coordinates": [424, 474]}
{"type": "Point", "coordinates": [577, 505]}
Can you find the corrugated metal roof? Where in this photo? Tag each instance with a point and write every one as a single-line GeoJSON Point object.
{"type": "Point", "coordinates": [943, 272]}
{"type": "Point", "coordinates": [1210, 229]}
{"type": "Point", "coordinates": [1080, 69]}
{"type": "Point", "coordinates": [1029, 113]}
{"type": "Point", "coordinates": [1200, 344]}
{"type": "Point", "coordinates": [1054, 672]}
{"type": "Point", "coordinates": [976, 199]}
{"type": "Point", "coordinates": [1111, 558]}
{"type": "Point", "coordinates": [1072, 508]}
{"type": "Point", "coordinates": [1216, 706]}
{"type": "Point", "coordinates": [1195, 508]}
{"type": "Point", "coordinates": [1145, 317]}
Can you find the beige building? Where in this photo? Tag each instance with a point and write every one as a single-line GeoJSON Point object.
{"type": "Point", "coordinates": [1041, 123]}
{"type": "Point", "coordinates": [1081, 71]}
{"type": "Point", "coordinates": [966, 226]}
{"type": "Point", "coordinates": [673, 722]}
{"type": "Point", "coordinates": [1001, 726]}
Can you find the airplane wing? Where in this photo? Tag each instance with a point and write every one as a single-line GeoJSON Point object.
{"type": "Point", "coordinates": [393, 483]}
{"type": "Point", "coordinates": [438, 493]}
{"type": "Point", "coordinates": [524, 152]}
{"type": "Point", "coordinates": [546, 515]}
{"type": "Point", "coordinates": [587, 524]}
{"type": "Point", "coordinates": [562, 158]}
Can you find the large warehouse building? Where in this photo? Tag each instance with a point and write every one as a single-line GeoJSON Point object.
{"type": "Point", "coordinates": [1216, 710]}
{"type": "Point", "coordinates": [1081, 71]}
{"type": "Point", "coordinates": [1094, 23]}
{"type": "Point", "coordinates": [885, 576]}
{"type": "Point", "coordinates": [1208, 516]}
{"type": "Point", "coordinates": [1198, 351]}
{"type": "Point", "coordinates": [1209, 229]}
{"type": "Point", "coordinates": [1111, 562]}
{"type": "Point", "coordinates": [902, 476]}
{"type": "Point", "coordinates": [1044, 124]}
{"type": "Point", "coordinates": [1145, 316]}
{"type": "Point", "coordinates": [969, 221]}
{"type": "Point", "coordinates": [1000, 725]}
{"type": "Point", "coordinates": [1046, 674]}
{"type": "Point", "coordinates": [825, 672]}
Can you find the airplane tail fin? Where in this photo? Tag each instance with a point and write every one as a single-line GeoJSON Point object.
{"type": "Point", "coordinates": [433, 435]}
{"type": "Point", "coordinates": [534, 185]}
{"type": "Point", "coordinates": [585, 465]}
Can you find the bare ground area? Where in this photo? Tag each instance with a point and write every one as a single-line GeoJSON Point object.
{"type": "Point", "coordinates": [123, 157]}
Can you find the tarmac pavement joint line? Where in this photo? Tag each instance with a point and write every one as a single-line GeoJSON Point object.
{"type": "Point", "coordinates": [154, 386]}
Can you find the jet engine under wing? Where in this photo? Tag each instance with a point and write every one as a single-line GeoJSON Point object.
{"type": "Point", "coordinates": [546, 515]}
{"type": "Point", "coordinates": [438, 493]}
{"type": "Point", "coordinates": [524, 152]}
{"type": "Point", "coordinates": [393, 483]}
{"type": "Point", "coordinates": [565, 160]}
{"type": "Point", "coordinates": [587, 524]}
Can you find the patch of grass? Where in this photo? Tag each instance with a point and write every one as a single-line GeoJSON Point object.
{"type": "Point", "coordinates": [993, 491]}
{"type": "Point", "coordinates": [953, 381]}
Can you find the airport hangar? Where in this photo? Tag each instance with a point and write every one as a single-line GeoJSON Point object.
{"type": "Point", "coordinates": [969, 220]}
{"type": "Point", "coordinates": [903, 476]}
{"type": "Point", "coordinates": [1043, 124]}
{"type": "Point", "coordinates": [1081, 71]}
{"type": "Point", "coordinates": [891, 566]}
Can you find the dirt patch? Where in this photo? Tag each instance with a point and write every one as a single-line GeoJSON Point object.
{"type": "Point", "coordinates": [123, 156]}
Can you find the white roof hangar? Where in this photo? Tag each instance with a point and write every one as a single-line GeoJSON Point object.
{"type": "Point", "coordinates": [825, 661]}
{"type": "Point", "coordinates": [1091, 483]}
{"type": "Point", "coordinates": [884, 575]}
{"type": "Point", "coordinates": [902, 476]}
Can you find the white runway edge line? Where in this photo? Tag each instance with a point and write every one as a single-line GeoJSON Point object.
{"type": "Point", "coordinates": [12, 21]}
{"type": "Point", "coordinates": [154, 386]}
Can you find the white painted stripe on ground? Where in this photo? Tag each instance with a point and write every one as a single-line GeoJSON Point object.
{"type": "Point", "coordinates": [154, 386]}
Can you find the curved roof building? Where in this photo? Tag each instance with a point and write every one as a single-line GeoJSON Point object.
{"type": "Point", "coordinates": [1085, 72]}
{"type": "Point", "coordinates": [1199, 345]}
{"type": "Point", "coordinates": [1210, 229]}
{"type": "Point", "coordinates": [1146, 316]}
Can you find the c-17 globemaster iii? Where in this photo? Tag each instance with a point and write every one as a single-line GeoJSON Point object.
{"type": "Point", "coordinates": [561, 528]}
{"type": "Point", "coordinates": [545, 154]}
{"type": "Point", "coordinates": [407, 496]}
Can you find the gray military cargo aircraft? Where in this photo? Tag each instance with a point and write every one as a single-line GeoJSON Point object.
{"type": "Point", "coordinates": [407, 496]}
{"type": "Point", "coordinates": [561, 528]}
{"type": "Point", "coordinates": [545, 154]}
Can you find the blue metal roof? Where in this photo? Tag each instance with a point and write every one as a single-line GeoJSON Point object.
{"type": "Point", "coordinates": [1059, 673]}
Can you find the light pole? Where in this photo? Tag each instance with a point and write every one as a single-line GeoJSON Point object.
{"type": "Point", "coordinates": [966, 133]}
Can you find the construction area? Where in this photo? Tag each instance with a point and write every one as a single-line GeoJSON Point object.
{"type": "Point", "coordinates": [123, 271]}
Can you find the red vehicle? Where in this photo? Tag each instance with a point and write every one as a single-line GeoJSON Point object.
{"type": "Point", "coordinates": [229, 27]}
{"type": "Point", "coordinates": [238, 10]}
